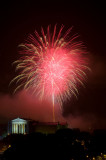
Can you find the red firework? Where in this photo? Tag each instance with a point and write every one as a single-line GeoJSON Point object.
{"type": "Point", "coordinates": [52, 66]}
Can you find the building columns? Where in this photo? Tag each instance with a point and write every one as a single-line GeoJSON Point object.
{"type": "Point", "coordinates": [18, 128]}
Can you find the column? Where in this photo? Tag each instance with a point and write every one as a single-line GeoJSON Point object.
{"type": "Point", "coordinates": [20, 128]}
{"type": "Point", "coordinates": [24, 128]}
{"type": "Point", "coordinates": [17, 128]}
{"type": "Point", "coordinates": [12, 128]}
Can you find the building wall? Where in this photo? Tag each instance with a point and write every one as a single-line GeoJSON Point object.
{"type": "Point", "coordinates": [21, 126]}
{"type": "Point", "coordinates": [46, 128]}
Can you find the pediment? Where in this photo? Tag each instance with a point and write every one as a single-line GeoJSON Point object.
{"type": "Point", "coordinates": [19, 120]}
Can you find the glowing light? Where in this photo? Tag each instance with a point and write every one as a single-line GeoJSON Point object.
{"type": "Point", "coordinates": [9, 146]}
{"type": "Point", "coordinates": [52, 66]}
{"type": "Point", "coordinates": [104, 155]}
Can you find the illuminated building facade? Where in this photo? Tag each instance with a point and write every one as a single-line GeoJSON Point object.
{"type": "Point", "coordinates": [22, 126]}
{"type": "Point", "coordinates": [18, 126]}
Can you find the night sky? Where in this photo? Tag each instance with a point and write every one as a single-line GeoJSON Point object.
{"type": "Point", "coordinates": [17, 21]}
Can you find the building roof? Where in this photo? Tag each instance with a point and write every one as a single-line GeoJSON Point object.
{"type": "Point", "coordinates": [20, 120]}
{"type": "Point", "coordinates": [50, 123]}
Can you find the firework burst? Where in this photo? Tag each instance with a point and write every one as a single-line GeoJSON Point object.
{"type": "Point", "coordinates": [52, 66]}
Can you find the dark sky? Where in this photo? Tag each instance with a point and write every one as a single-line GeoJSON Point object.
{"type": "Point", "coordinates": [17, 20]}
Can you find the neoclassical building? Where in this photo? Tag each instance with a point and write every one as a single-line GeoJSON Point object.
{"type": "Point", "coordinates": [22, 126]}
{"type": "Point", "coordinates": [18, 126]}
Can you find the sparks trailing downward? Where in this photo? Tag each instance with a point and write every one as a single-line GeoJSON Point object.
{"type": "Point", "coordinates": [52, 66]}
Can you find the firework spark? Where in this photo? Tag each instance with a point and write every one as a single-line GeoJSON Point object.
{"type": "Point", "coordinates": [52, 66]}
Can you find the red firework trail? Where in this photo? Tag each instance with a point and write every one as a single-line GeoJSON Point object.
{"type": "Point", "coordinates": [52, 66]}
